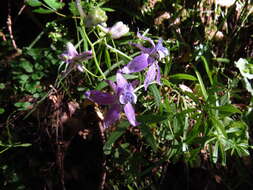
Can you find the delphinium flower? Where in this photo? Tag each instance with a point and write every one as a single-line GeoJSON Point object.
{"type": "Point", "coordinates": [118, 30]}
{"type": "Point", "coordinates": [148, 59]}
{"type": "Point", "coordinates": [122, 99]}
{"type": "Point", "coordinates": [71, 56]}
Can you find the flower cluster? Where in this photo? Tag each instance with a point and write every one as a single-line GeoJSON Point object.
{"type": "Point", "coordinates": [124, 96]}
{"type": "Point", "coordinates": [149, 58]}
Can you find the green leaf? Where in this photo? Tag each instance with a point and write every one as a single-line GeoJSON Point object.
{"type": "Point", "coordinates": [219, 126]}
{"type": "Point", "coordinates": [108, 9]}
{"type": "Point", "coordinates": [115, 136]}
{"type": "Point", "coordinates": [156, 94]}
{"type": "Point", "coordinates": [107, 58]}
{"type": "Point", "coordinates": [43, 11]}
{"type": "Point", "coordinates": [23, 78]}
{"type": "Point", "coordinates": [33, 3]}
{"type": "Point", "coordinates": [148, 136]}
{"type": "Point", "coordinates": [209, 73]}
{"type": "Point", "coordinates": [215, 152]}
{"type": "Point", "coordinates": [182, 76]}
{"type": "Point", "coordinates": [2, 110]}
{"type": "Point", "coordinates": [27, 66]}
{"type": "Point", "coordinates": [2, 86]}
{"type": "Point", "coordinates": [152, 118]}
{"type": "Point", "coordinates": [54, 4]}
{"type": "Point", "coordinates": [228, 109]}
{"type": "Point", "coordinates": [23, 145]}
{"type": "Point", "coordinates": [202, 86]}
{"type": "Point", "coordinates": [23, 105]}
{"type": "Point", "coordinates": [221, 60]}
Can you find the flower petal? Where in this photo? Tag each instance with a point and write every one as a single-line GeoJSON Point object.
{"type": "Point", "coordinates": [112, 115]}
{"type": "Point", "coordinates": [121, 81]}
{"type": "Point", "coordinates": [80, 67]}
{"type": "Point", "coordinates": [118, 30]}
{"type": "Point", "coordinates": [150, 76]}
{"type": "Point", "coordinates": [83, 56]}
{"type": "Point", "coordinates": [145, 38]}
{"type": "Point", "coordinates": [142, 48]}
{"type": "Point", "coordinates": [135, 83]}
{"type": "Point", "coordinates": [162, 51]}
{"type": "Point", "coordinates": [102, 98]}
{"type": "Point", "coordinates": [127, 96]}
{"type": "Point", "coordinates": [71, 50]}
{"type": "Point", "coordinates": [130, 113]}
{"type": "Point", "coordinates": [138, 64]}
{"type": "Point", "coordinates": [112, 85]}
{"type": "Point", "coordinates": [158, 76]}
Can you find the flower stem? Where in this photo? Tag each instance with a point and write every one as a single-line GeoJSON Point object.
{"type": "Point", "coordinates": [93, 51]}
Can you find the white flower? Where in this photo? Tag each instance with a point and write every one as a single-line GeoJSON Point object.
{"type": "Point", "coordinates": [225, 3]}
{"type": "Point", "coordinates": [118, 30]}
{"type": "Point", "coordinates": [244, 67]}
{"type": "Point", "coordinates": [185, 88]}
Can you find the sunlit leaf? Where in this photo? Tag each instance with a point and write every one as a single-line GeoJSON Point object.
{"type": "Point", "coordinates": [227, 109]}
{"type": "Point", "coordinates": [27, 66]}
{"type": "Point", "coordinates": [182, 76]}
{"type": "Point", "coordinates": [2, 110]}
{"type": "Point", "coordinates": [54, 4]}
{"type": "Point", "coordinates": [33, 3]}
{"type": "Point", "coordinates": [2, 86]}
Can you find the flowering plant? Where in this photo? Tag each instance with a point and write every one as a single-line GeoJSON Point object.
{"type": "Point", "coordinates": [148, 59]}
{"type": "Point", "coordinates": [71, 56]}
{"type": "Point", "coordinates": [123, 98]}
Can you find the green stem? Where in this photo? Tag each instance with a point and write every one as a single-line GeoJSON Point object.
{"type": "Point", "coordinates": [93, 52]}
{"type": "Point", "coordinates": [119, 52]}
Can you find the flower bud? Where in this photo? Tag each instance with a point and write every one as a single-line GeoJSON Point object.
{"type": "Point", "coordinates": [96, 16]}
{"type": "Point", "coordinates": [118, 30]}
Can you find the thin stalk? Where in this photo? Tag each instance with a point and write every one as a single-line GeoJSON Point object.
{"type": "Point", "coordinates": [93, 51]}
{"type": "Point", "coordinates": [36, 40]}
{"type": "Point", "coordinates": [119, 52]}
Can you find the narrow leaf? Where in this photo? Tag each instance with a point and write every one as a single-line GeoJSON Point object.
{"type": "Point", "coordinates": [182, 76]}
{"type": "Point", "coordinates": [115, 136]}
{"type": "Point", "coordinates": [149, 137]}
{"type": "Point", "coordinates": [156, 94]}
{"type": "Point", "coordinates": [43, 11]}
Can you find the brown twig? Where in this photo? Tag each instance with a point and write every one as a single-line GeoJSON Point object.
{"type": "Point", "coordinates": [9, 25]}
{"type": "Point", "coordinates": [3, 36]}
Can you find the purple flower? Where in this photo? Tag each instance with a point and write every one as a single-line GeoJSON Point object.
{"type": "Point", "coordinates": [72, 56]}
{"type": "Point", "coordinates": [149, 58]}
{"type": "Point", "coordinates": [123, 98]}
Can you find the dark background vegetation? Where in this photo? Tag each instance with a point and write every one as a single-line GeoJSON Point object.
{"type": "Point", "coordinates": [38, 151]}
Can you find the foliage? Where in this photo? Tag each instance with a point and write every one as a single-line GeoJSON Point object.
{"type": "Point", "coordinates": [198, 112]}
